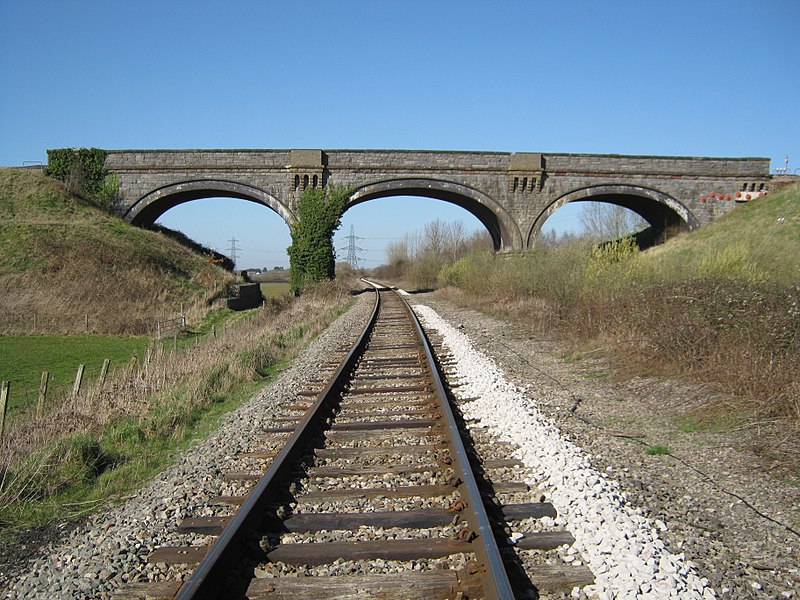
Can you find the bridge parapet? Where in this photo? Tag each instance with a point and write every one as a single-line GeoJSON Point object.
{"type": "Point", "coordinates": [680, 166]}
{"type": "Point", "coordinates": [121, 160]}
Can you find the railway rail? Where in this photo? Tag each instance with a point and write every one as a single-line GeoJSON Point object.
{"type": "Point", "coordinates": [369, 486]}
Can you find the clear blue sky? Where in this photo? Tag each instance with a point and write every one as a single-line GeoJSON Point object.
{"type": "Point", "coordinates": [677, 77]}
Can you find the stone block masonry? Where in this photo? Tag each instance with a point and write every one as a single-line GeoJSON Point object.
{"type": "Point", "coordinates": [512, 194]}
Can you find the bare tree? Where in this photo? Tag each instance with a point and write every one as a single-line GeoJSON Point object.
{"type": "Point", "coordinates": [455, 239]}
{"type": "Point", "coordinates": [397, 252]}
{"type": "Point", "coordinates": [604, 221]}
{"type": "Point", "coordinates": [434, 238]}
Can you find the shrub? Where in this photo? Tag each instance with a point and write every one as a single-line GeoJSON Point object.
{"type": "Point", "coordinates": [611, 267]}
{"type": "Point", "coordinates": [84, 172]}
{"type": "Point", "coordinates": [311, 254]}
{"type": "Point", "coordinates": [730, 262]}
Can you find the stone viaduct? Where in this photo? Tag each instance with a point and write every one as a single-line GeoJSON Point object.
{"type": "Point", "coordinates": [511, 193]}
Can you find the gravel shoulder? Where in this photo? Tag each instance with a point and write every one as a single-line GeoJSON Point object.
{"type": "Point", "coordinates": [719, 506]}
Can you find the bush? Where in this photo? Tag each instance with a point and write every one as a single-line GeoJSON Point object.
{"type": "Point", "coordinates": [611, 268]}
{"type": "Point", "coordinates": [311, 254]}
{"type": "Point", "coordinates": [84, 172]}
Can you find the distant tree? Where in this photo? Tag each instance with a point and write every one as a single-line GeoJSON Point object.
{"type": "Point", "coordinates": [421, 256]}
{"type": "Point", "coordinates": [434, 237]}
{"type": "Point", "coordinates": [602, 221]}
{"type": "Point", "coordinates": [399, 253]}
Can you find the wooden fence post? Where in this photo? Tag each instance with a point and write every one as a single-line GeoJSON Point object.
{"type": "Point", "coordinates": [104, 370]}
{"type": "Point", "coordinates": [42, 394]}
{"type": "Point", "coordinates": [76, 388]}
{"type": "Point", "coordinates": [132, 365]}
{"type": "Point", "coordinates": [6, 386]}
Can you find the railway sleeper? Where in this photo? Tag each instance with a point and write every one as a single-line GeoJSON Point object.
{"type": "Point", "coordinates": [420, 518]}
{"type": "Point", "coordinates": [320, 553]}
{"type": "Point", "coordinates": [413, 585]}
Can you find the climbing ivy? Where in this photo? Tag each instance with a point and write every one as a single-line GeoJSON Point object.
{"type": "Point", "coordinates": [84, 172]}
{"type": "Point", "coordinates": [311, 255]}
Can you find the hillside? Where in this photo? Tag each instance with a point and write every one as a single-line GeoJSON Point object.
{"type": "Point", "coordinates": [65, 262]}
{"type": "Point", "coordinates": [759, 241]}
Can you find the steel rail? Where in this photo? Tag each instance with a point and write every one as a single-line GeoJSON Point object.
{"type": "Point", "coordinates": [210, 578]}
{"type": "Point", "coordinates": [213, 576]}
{"type": "Point", "coordinates": [495, 579]}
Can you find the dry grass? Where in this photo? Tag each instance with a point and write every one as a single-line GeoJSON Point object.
{"type": "Point", "coordinates": [65, 262]}
{"type": "Point", "coordinates": [157, 401]}
{"type": "Point", "coordinates": [720, 306]}
{"type": "Point", "coordinates": [742, 341]}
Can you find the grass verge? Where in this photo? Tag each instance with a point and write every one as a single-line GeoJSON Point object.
{"type": "Point", "coordinates": [104, 444]}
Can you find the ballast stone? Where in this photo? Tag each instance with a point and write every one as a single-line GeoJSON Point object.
{"type": "Point", "coordinates": [580, 493]}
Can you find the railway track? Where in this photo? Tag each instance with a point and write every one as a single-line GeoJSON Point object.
{"type": "Point", "coordinates": [369, 486]}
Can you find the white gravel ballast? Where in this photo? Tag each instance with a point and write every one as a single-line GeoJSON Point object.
{"type": "Point", "coordinates": [621, 547]}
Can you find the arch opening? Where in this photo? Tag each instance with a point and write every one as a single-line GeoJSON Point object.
{"type": "Point", "coordinates": [245, 232]}
{"type": "Point", "coordinates": [150, 207]}
{"type": "Point", "coordinates": [382, 228]}
{"type": "Point", "coordinates": [221, 215]}
{"type": "Point", "coordinates": [664, 215]}
{"type": "Point", "coordinates": [503, 231]}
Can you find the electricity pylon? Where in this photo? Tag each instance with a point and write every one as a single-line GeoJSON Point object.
{"type": "Point", "coordinates": [352, 249]}
{"type": "Point", "coordinates": [232, 251]}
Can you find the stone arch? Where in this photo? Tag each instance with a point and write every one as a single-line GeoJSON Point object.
{"type": "Point", "coordinates": [151, 206]}
{"type": "Point", "coordinates": [660, 210]}
{"type": "Point", "coordinates": [503, 230]}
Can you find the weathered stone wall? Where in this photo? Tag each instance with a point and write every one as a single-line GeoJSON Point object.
{"type": "Point", "coordinates": [657, 165]}
{"type": "Point", "coordinates": [512, 193]}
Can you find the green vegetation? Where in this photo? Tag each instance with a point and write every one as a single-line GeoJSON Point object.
{"type": "Point", "coordinates": [689, 425]}
{"type": "Point", "coordinates": [720, 305]}
{"type": "Point", "coordinates": [84, 172]}
{"type": "Point", "coordinates": [311, 254]}
{"type": "Point", "coordinates": [104, 444]}
{"type": "Point", "coordinates": [275, 289]}
{"type": "Point", "coordinates": [657, 450]}
{"type": "Point", "coordinates": [64, 260]}
{"type": "Point", "coordinates": [26, 357]}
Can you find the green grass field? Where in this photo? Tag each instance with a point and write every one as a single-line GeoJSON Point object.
{"type": "Point", "coordinates": [275, 289]}
{"type": "Point", "coordinates": [23, 358]}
